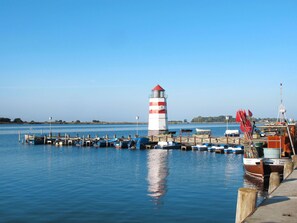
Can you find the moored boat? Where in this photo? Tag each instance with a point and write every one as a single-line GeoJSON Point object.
{"type": "Point", "coordinates": [262, 167]}
{"type": "Point", "coordinates": [122, 144]}
{"type": "Point", "coordinates": [232, 133]}
{"type": "Point", "coordinates": [167, 145]}
{"type": "Point", "coordinates": [238, 149]}
{"type": "Point", "coordinates": [276, 151]}
{"type": "Point", "coordinates": [138, 143]}
{"type": "Point", "coordinates": [203, 132]}
{"type": "Point", "coordinates": [227, 150]}
{"type": "Point", "coordinates": [200, 147]}
{"type": "Point", "coordinates": [218, 148]}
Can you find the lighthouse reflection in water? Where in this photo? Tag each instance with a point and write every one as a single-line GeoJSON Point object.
{"type": "Point", "coordinates": [158, 171]}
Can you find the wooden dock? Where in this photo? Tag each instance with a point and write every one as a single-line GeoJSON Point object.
{"type": "Point", "coordinates": [194, 140]}
{"type": "Point", "coordinates": [281, 206]}
{"type": "Point", "coordinates": [186, 141]}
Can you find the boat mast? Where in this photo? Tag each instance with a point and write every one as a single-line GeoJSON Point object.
{"type": "Point", "coordinates": [282, 117]}
{"type": "Point", "coordinates": [282, 109]}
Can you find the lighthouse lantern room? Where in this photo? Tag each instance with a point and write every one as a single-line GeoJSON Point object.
{"type": "Point", "coordinates": [158, 122]}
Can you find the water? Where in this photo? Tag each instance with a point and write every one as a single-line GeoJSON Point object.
{"type": "Point", "coordinates": [71, 184]}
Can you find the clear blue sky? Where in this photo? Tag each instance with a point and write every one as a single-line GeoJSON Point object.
{"type": "Point", "coordinates": [83, 59]}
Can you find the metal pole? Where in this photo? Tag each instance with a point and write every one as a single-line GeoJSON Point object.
{"type": "Point", "coordinates": [227, 119]}
{"type": "Point", "coordinates": [137, 118]}
{"type": "Point", "coordinates": [50, 120]}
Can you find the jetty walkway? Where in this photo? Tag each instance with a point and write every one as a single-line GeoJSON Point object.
{"type": "Point", "coordinates": [187, 141]}
{"type": "Point", "coordinates": [281, 206]}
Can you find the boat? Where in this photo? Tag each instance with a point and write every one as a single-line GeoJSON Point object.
{"type": "Point", "coordinates": [220, 148]}
{"type": "Point", "coordinates": [34, 140]}
{"type": "Point", "coordinates": [232, 133]}
{"type": "Point", "coordinates": [211, 149]}
{"type": "Point", "coordinates": [138, 143]}
{"type": "Point", "coordinates": [273, 152]}
{"type": "Point", "coordinates": [167, 145]}
{"type": "Point", "coordinates": [228, 150]}
{"type": "Point", "coordinates": [217, 148]}
{"type": "Point", "coordinates": [239, 149]}
{"type": "Point", "coordinates": [203, 132]}
{"type": "Point", "coordinates": [200, 147]}
{"type": "Point", "coordinates": [122, 144]}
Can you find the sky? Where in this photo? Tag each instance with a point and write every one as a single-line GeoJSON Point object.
{"type": "Point", "coordinates": [99, 59]}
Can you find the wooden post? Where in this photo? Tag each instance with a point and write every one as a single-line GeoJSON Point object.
{"type": "Point", "coordinates": [194, 140]}
{"type": "Point", "coordinates": [227, 141]}
{"type": "Point", "coordinates": [106, 140]}
{"type": "Point", "coordinates": [274, 182]}
{"type": "Point", "coordinates": [288, 169]}
{"type": "Point", "coordinates": [246, 203]}
{"type": "Point", "coordinates": [294, 160]}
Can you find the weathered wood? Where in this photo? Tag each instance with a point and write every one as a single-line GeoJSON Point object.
{"type": "Point", "coordinates": [288, 169]}
{"type": "Point", "coordinates": [274, 182]}
{"type": "Point", "coordinates": [294, 160]}
{"type": "Point", "coordinates": [246, 203]}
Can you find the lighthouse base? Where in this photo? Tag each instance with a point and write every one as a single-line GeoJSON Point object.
{"type": "Point", "coordinates": [156, 132]}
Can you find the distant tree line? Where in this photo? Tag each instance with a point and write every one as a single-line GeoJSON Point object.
{"type": "Point", "coordinates": [222, 118]}
{"type": "Point", "coordinates": [8, 120]}
{"type": "Point", "coordinates": [199, 119]}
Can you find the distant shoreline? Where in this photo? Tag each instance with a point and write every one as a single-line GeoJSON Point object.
{"type": "Point", "coordinates": [103, 123]}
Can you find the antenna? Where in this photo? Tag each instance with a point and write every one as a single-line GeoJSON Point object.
{"type": "Point", "coordinates": [282, 110]}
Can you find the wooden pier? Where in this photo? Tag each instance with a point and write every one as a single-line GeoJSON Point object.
{"type": "Point", "coordinates": [67, 140]}
{"type": "Point", "coordinates": [281, 205]}
{"type": "Point", "coordinates": [194, 140]}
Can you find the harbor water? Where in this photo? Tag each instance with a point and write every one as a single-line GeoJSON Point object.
{"type": "Point", "coordinates": [45, 183]}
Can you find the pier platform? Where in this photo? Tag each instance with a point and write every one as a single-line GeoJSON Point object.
{"type": "Point", "coordinates": [281, 206]}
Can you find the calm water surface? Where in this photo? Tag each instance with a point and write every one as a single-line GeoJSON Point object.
{"type": "Point", "coordinates": [71, 184]}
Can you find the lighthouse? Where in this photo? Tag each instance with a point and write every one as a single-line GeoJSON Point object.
{"type": "Point", "coordinates": [158, 121]}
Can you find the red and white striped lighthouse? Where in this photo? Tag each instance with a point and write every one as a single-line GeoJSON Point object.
{"type": "Point", "coordinates": [157, 112]}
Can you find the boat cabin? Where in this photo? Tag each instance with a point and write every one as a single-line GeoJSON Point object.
{"type": "Point", "coordinates": [283, 136]}
{"type": "Point", "coordinates": [232, 133]}
{"type": "Point", "coordinates": [203, 132]}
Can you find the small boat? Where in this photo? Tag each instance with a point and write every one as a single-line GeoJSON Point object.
{"type": "Point", "coordinates": [200, 147]}
{"type": "Point", "coordinates": [138, 143]}
{"type": "Point", "coordinates": [228, 150]}
{"type": "Point", "coordinates": [34, 140]}
{"type": "Point", "coordinates": [167, 145]}
{"type": "Point", "coordinates": [238, 149]}
{"type": "Point", "coordinates": [232, 133]}
{"type": "Point", "coordinates": [203, 132]}
{"type": "Point", "coordinates": [122, 144]}
{"type": "Point", "coordinates": [218, 148]}
{"type": "Point", "coordinates": [211, 149]}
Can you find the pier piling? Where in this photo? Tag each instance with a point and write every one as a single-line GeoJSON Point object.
{"type": "Point", "coordinates": [246, 203]}
{"type": "Point", "coordinates": [294, 160]}
{"type": "Point", "coordinates": [288, 169]}
{"type": "Point", "coordinates": [274, 182]}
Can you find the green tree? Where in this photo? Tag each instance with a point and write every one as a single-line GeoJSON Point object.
{"type": "Point", "coordinates": [18, 121]}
